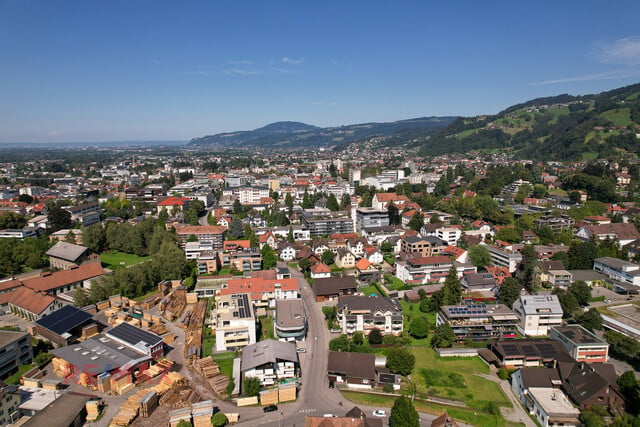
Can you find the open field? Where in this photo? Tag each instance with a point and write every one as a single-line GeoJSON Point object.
{"type": "Point", "coordinates": [114, 260]}
{"type": "Point", "coordinates": [620, 116]}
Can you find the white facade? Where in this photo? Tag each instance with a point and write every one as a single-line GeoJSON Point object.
{"type": "Point", "coordinates": [537, 314]}
{"type": "Point", "coordinates": [618, 270]}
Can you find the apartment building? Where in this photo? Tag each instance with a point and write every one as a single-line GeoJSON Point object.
{"type": "Point", "coordinates": [479, 321]}
{"type": "Point", "coordinates": [235, 322]}
{"type": "Point", "coordinates": [364, 313]}
{"type": "Point", "coordinates": [618, 270]}
{"type": "Point", "coordinates": [367, 218]}
{"type": "Point", "coordinates": [537, 314]}
{"type": "Point", "coordinates": [15, 350]}
{"type": "Point", "coordinates": [503, 257]}
{"type": "Point", "coordinates": [423, 270]}
{"type": "Point", "coordinates": [582, 345]}
{"type": "Point", "coordinates": [323, 222]}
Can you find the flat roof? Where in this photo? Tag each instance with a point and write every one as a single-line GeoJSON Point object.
{"type": "Point", "coordinates": [290, 313]}
{"type": "Point", "coordinates": [579, 335]}
{"type": "Point", "coordinates": [553, 401]}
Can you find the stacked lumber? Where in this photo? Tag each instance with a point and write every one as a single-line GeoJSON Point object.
{"type": "Point", "coordinates": [202, 413]}
{"type": "Point", "coordinates": [211, 372]}
{"type": "Point", "coordinates": [179, 396]}
{"type": "Point", "coordinates": [128, 412]}
{"type": "Point", "coordinates": [148, 403]}
{"type": "Point", "coordinates": [61, 367]}
{"type": "Point", "coordinates": [94, 407]}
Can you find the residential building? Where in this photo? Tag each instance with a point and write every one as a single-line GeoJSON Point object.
{"type": "Point", "coordinates": [320, 270]}
{"type": "Point", "coordinates": [364, 313]}
{"type": "Point", "coordinates": [503, 257]}
{"type": "Point", "coordinates": [367, 218]}
{"type": "Point", "coordinates": [450, 235]}
{"type": "Point", "coordinates": [64, 255]}
{"type": "Point", "coordinates": [291, 319]}
{"type": "Point", "coordinates": [330, 288]}
{"type": "Point", "coordinates": [478, 321]}
{"type": "Point", "coordinates": [247, 195]}
{"type": "Point", "coordinates": [86, 214]}
{"type": "Point", "coordinates": [323, 222]}
{"type": "Point", "coordinates": [171, 204]}
{"type": "Point", "coordinates": [537, 314]}
{"type": "Point", "coordinates": [423, 270]}
{"type": "Point", "coordinates": [514, 354]}
{"type": "Point", "coordinates": [62, 281]}
{"type": "Point", "coordinates": [557, 223]}
{"type": "Point", "coordinates": [478, 282]}
{"type": "Point", "coordinates": [345, 259]}
{"type": "Point", "coordinates": [10, 400]}
{"type": "Point", "coordinates": [270, 361]}
{"type": "Point", "coordinates": [235, 322]}
{"type": "Point", "coordinates": [582, 345]}
{"type": "Point", "coordinates": [354, 370]}
{"type": "Point", "coordinates": [417, 246]}
{"type": "Point", "coordinates": [618, 270]}
{"type": "Point", "coordinates": [263, 292]}
{"type": "Point", "coordinates": [209, 233]}
{"type": "Point", "coordinates": [15, 350]}
{"type": "Point", "coordinates": [66, 410]}
{"type": "Point", "coordinates": [590, 386]}
{"type": "Point", "coordinates": [381, 201]}
{"type": "Point", "coordinates": [367, 272]}
{"type": "Point", "coordinates": [620, 232]}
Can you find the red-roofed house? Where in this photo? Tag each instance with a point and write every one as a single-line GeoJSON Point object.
{"type": "Point", "coordinates": [263, 292]}
{"type": "Point", "coordinates": [320, 270]}
{"type": "Point", "coordinates": [500, 273]}
{"type": "Point", "coordinates": [171, 203]}
{"type": "Point", "coordinates": [62, 281]}
{"type": "Point", "coordinates": [32, 305]}
{"type": "Point", "coordinates": [232, 245]}
{"type": "Point", "coordinates": [367, 272]}
{"type": "Point", "coordinates": [211, 233]}
{"type": "Point", "coordinates": [382, 200]}
{"type": "Point", "coordinates": [267, 238]}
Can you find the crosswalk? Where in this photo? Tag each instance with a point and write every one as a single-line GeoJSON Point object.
{"type": "Point", "coordinates": [306, 411]}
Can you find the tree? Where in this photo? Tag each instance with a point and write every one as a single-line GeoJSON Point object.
{"type": "Point", "coordinates": [386, 247]}
{"type": "Point", "coordinates": [332, 203]}
{"type": "Point", "coordinates": [304, 264]}
{"type": "Point", "coordinates": [345, 201]}
{"type": "Point", "coordinates": [480, 256]}
{"type": "Point", "coordinates": [394, 214]}
{"type": "Point", "coordinates": [443, 336]}
{"type": "Point", "coordinates": [12, 220]}
{"type": "Point", "coordinates": [416, 222]}
{"type": "Point", "coordinates": [59, 218]}
{"type": "Point", "coordinates": [509, 291]}
{"type": "Point", "coordinates": [630, 389]}
{"type": "Point", "coordinates": [219, 420]}
{"type": "Point", "coordinates": [403, 414]}
{"type": "Point", "coordinates": [452, 290]}
{"type": "Point", "coordinates": [375, 336]}
{"type": "Point", "coordinates": [400, 360]}
{"type": "Point", "coordinates": [237, 207]}
{"type": "Point", "coordinates": [288, 202]}
{"type": "Point", "coordinates": [425, 305]}
{"type": "Point", "coordinates": [25, 198]}
{"type": "Point", "coordinates": [328, 257]}
{"type": "Point", "coordinates": [419, 327]}
{"type": "Point", "coordinates": [269, 259]}
{"type": "Point", "coordinates": [251, 386]}
{"type": "Point", "coordinates": [236, 229]}
{"type": "Point", "coordinates": [184, 423]}
{"type": "Point", "coordinates": [591, 320]}
{"type": "Point", "coordinates": [357, 338]}
{"type": "Point", "coordinates": [581, 291]}
{"type": "Point", "coordinates": [80, 297]}
{"type": "Point", "coordinates": [568, 302]}
{"type": "Point", "coordinates": [508, 234]}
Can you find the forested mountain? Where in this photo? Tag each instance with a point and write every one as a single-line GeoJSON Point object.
{"type": "Point", "coordinates": [295, 134]}
{"type": "Point", "coordinates": [563, 127]}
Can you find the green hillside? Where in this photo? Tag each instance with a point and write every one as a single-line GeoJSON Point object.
{"type": "Point", "coordinates": [564, 128]}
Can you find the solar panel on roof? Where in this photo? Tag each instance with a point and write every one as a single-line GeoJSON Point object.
{"type": "Point", "coordinates": [529, 351]}
{"type": "Point", "coordinates": [510, 349]}
{"type": "Point", "coordinates": [64, 319]}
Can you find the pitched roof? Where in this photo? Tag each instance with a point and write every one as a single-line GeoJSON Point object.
{"type": "Point", "coordinates": [30, 300]}
{"type": "Point", "coordinates": [61, 278]}
{"type": "Point", "coordinates": [623, 231]}
{"type": "Point", "coordinates": [267, 351]}
{"type": "Point", "coordinates": [174, 201]}
{"type": "Point", "coordinates": [363, 264]}
{"type": "Point", "coordinates": [67, 251]}
{"type": "Point", "coordinates": [201, 229]}
{"type": "Point", "coordinates": [320, 267]}
{"type": "Point", "coordinates": [333, 285]}
{"type": "Point", "coordinates": [352, 365]}
{"type": "Point", "coordinates": [256, 286]}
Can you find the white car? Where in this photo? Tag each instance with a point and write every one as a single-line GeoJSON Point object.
{"type": "Point", "coordinates": [301, 350]}
{"type": "Point", "coordinates": [379, 413]}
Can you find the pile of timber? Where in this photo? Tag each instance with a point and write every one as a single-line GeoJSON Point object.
{"type": "Point", "coordinates": [160, 367]}
{"type": "Point", "coordinates": [211, 372]}
{"type": "Point", "coordinates": [179, 396]}
{"type": "Point", "coordinates": [177, 303]}
{"type": "Point", "coordinates": [193, 339]}
{"type": "Point", "coordinates": [94, 407]}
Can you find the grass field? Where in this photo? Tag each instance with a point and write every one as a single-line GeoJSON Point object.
{"type": "Point", "coordinates": [620, 116]}
{"type": "Point", "coordinates": [469, 416]}
{"type": "Point", "coordinates": [412, 311]}
{"type": "Point", "coordinates": [369, 290]}
{"type": "Point", "coordinates": [15, 378]}
{"type": "Point", "coordinates": [266, 328]}
{"type": "Point", "coordinates": [477, 392]}
{"type": "Point", "coordinates": [225, 362]}
{"type": "Point", "coordinates": [113, 260]}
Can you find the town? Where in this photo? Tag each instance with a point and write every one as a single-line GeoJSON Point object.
{"type": "Point", "coordinates": [182, 286]}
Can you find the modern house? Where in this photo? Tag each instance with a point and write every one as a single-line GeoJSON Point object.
{"type": "Point", "coordinates": [235, 322]}
{"type": "Point", "coordinates": [529, 353]}
{"type": "Point", "coordinates": [423, 270]}
{"type": "Point", "coordinates": [537, 314]}
{"type": "Point", "coordinates": [618, 270]}
{"type": "Point", "coordinates": [15, 350]}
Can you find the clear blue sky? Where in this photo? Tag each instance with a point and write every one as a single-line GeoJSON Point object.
{"type": "Point", "coordinates": [95, 70]}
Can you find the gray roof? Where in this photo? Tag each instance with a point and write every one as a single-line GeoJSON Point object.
{"type": "Point", "coordinates": [60, 412]}
{"type": "Point", "coordinates": [333, 285]}
{"type": "Point", "coordinates": [267, 351]}
{"type": "Point", "coordinates": [7, 337]}
{"type": "Point", "coordinates": [67, 251]}
{"type": "Point", "coordinates": [370, 303]}
{"type": "Point", "coordinates": [540, 304]}
{"type": "Point", "coordinates": [289, 313]}
{"type": "Point", "coordinates": [587, 275]}
{"type": "Point", "coordinates": [99, 354]}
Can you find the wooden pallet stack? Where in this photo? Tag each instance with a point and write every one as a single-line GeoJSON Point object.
{"type": "Point", "coordinates": [148, 403]}
{"type": "Point", "coordinates": [201, 413]}
{"type": "Point", "coordinates": [94, 407]}
{"type": "Point", "coordinates": [211, 371]}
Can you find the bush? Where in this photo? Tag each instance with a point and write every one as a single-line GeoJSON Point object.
{"type": "Point", "coordinates": [387, 388]}
{"type": "Point", "coordinates": [219, 419]}
{"type": "Point", "coordinates": [504, 373]}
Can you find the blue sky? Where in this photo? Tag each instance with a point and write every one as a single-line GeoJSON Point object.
{"type": "Point", "coordinates": [95, 70]}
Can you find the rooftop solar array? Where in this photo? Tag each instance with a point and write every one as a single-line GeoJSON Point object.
{"type": "Point", "coordinates": [64, 319]}
{"type": "Point", "coordinates": [531, 349]}
{"type": "Point", "coordinates": [469, 309]}
{"type": "Point", "coordinates": [132, 335]}
{"type": "Point", "coordinates": [242, 305]}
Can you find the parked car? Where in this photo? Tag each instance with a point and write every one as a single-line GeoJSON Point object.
{"type": "Point", "coordinates": [270, 408]}
{"type": "Point", "coordinates": [301, 350]}
{"type": "Point", "coordinates": [379, 413]}
{"type": "Point", "coordinates": [330, 416]}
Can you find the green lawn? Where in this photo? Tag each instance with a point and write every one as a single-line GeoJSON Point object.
{"type": "Point", "coordinates": [620, 116]}
{"type": "Point", "coordinates": [266, 328]}
{"type": "Point", "coordinates": [114, 259]}
{"type": "Point", "coordinates": [477, 392]}
{"type": "Point", "coordinates": [225, 362]}
{"type": "Point", "coordinates": [470, 416]}
{"type": "Point", "coordinates": [412, 311]}
{"type": "Point", "coordinates": [15, 378]}
{"type": "Point", "coordinates": [368, 290]}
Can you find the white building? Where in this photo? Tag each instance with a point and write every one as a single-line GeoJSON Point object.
{"type": "Point", "coordinates": [537, 314]}
{"type": "Point", "coordinates": [618, 270]}
{"type": "Point", "coordinates": [362, 314]}
{"type": "Point", "coordinates": [270, 361]}
{"type": "Point", "coordinates": [235, 322]}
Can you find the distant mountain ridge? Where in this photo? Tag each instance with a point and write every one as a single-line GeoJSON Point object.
{"type": "Point", "coordinates": [296, 134]}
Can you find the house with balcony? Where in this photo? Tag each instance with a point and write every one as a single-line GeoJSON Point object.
{"type": "Point", "coordinates": [505, 257]}
{"type": "Point", "coordinates": [364, 313]}
{"type": "Point", "coordinates": [478, 322]}
{"type": "Point", "coordinates": [263, 292]}
{"type": "Point", "coordinates": [15, 350]}
{"type": "Point", "coordinates": [582, 345]}
{"type": "Point", "coordinates": [417, 246]}
{"type": "Point", "coordinates": [291, 320]}
{"type": "Point", "coordinates": [423, 270]}
{"type": "Point", "coordinates": [234, 322]}
{"type": "Point", "coordinates": [537, 314]}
